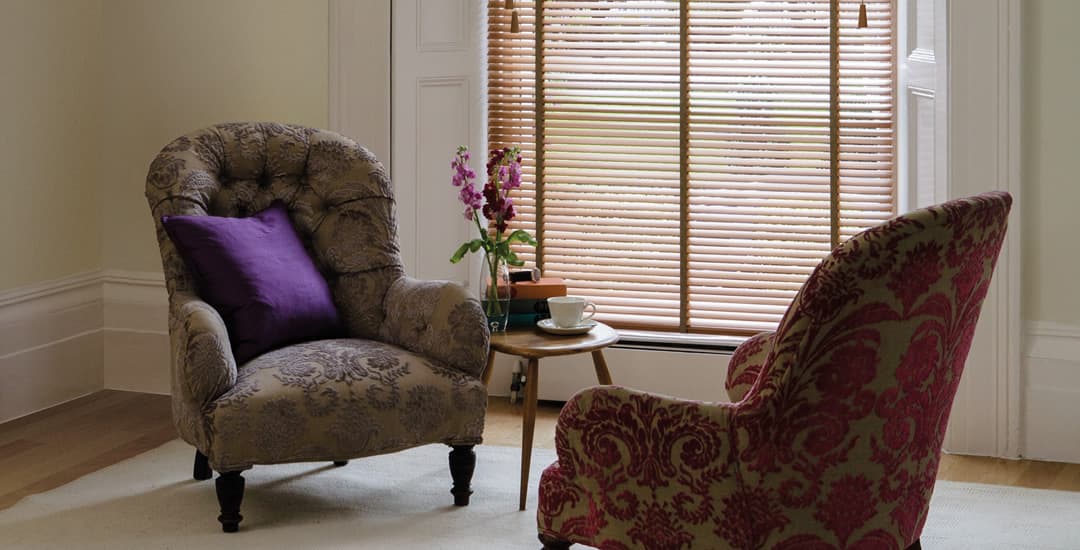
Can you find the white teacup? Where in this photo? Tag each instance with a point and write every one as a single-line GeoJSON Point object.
{"type": "Point", "coordinates": [567, 311]}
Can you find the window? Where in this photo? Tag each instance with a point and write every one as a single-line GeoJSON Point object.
{"type": "Point", "coordinates": [686, 164]}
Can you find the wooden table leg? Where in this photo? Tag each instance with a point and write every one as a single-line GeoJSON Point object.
{"type": "Point", "coordinates": [532, 380]}
{"type": "Point", "coordinates": [602, 374]}
{"type": "Point", "coordinates": [486, 377]}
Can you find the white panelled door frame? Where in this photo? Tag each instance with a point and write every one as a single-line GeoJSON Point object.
{"type": "Point", "coordinates": [414, 112]}
{"type": "Point", "coordinates": [922, 104]}
{"type": "Point", "coordinates": [438, 89]}
{"type": "Point", "coordinates": [436, 61]}
{"type": "Point", "coordinates": [984, 154]}
{"type": "Point", "coordinates": [959, 124]}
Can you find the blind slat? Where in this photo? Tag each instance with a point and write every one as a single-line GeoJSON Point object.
{"type": "Point", "coordinates": [758, 150]}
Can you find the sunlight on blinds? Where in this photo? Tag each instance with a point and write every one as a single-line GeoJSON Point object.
{"type": "Point", "coordinates": [758, 148]}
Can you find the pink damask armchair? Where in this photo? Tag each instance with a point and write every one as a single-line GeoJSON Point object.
{"type": "Point", "coordinates": [835, 431]}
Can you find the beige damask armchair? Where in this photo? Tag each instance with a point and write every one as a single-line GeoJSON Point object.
{"type": "Point", "coordinates": [408, 372]}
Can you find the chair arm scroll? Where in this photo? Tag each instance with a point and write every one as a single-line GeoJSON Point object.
{"type": "Point", "coordinates": [203, 362]}
{"type": "Point", "coordinates": [610, 428]}
{"type": "Point", "coordinates": [439, 319]}
{"type": "Point", "coordinates": [746, 365]}
{"type": "Point", "coordinates": [624, 455]}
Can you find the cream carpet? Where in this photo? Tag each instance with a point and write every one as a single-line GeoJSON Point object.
{"type": "Point", "coordinates": [403, 501]}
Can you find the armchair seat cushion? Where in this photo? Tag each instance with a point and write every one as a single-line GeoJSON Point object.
{"type": "Point", "coordinates": [342, 398]}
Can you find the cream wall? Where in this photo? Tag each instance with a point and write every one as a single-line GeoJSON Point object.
{"type": "Point", "coordinates": [1051, 160]}
{"type": "Point", "coordinates": [91, 90]}
{"type": "Point", "coordinates": [174, 66]}
{"type": "Point", "coordinates": [50, 55]}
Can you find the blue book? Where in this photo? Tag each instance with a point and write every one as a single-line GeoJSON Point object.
{"type": "Point", "coordinates": [530, 305]}
{"type": "Point", "coordinates": [525, 320]}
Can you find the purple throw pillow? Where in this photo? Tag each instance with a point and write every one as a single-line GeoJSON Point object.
{"type": "Point", "coordinates": [257, 275]}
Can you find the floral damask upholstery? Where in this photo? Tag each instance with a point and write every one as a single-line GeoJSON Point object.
{"type": "Point", "coordinates": [409, 373]}
{"type": "Point", "coordinates": [835, 432]}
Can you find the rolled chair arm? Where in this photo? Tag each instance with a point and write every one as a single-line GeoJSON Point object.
{"type": "Point", "coordinates": [203, 367]}
{"type": "Point", "coordinates": [746, 365]}
{"type": "Point", "coordinates": [438, 319]}
{"type": "Point", "coordinates": [627, 458]}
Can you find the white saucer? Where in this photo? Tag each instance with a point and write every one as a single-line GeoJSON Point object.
{"type": "Point", "coordinates": [548, 325]}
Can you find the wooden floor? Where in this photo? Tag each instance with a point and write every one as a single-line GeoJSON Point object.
{"type": "Point", "coordinates": [53, 447]}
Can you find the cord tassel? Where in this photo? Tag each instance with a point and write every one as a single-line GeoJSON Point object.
{"type": "Point", "coordinates": [514, 25]}
{"type": "Point", "coordinates": [862, 15]}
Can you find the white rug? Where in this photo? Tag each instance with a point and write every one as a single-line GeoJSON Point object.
{"type": "Point", "coordinates": [403, 501]}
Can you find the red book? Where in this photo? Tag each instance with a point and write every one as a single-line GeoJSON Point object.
{"type": "Point", "coordinates": [546, 287]}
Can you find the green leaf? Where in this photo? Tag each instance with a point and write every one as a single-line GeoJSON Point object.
{"type": "Point", "coordinates": [471, 246]}
{"type": "Point", "coordinates": [522, 236]}
{"type": "Point", "coordinates": [513, 260]}
{"type": "Point", "coordinates": [503, 249]}
{"type": "Point", "coordinates": [459, 253]}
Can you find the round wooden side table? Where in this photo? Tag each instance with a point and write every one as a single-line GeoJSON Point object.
{"type": "Point", "coordinates": [534, 344]}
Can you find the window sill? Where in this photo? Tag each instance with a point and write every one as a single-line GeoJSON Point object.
{"type": "Point", "coordinates": [668, 341]}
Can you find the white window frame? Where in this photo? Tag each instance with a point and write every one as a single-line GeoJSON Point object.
{"type": "Point", "coordinates": [983, 154]}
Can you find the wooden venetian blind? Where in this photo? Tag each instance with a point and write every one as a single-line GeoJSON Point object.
{"type": "Point", "coordinates": [680, 154]}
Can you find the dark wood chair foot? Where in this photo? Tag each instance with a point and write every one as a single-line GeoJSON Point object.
{"type": "Point", "coordinates": [915, 545]}
{"type": "Point", "coordinates": [462, 464]}
{"type": "Point", "coordinates": [230, 492]}
{"type": "Point", "coordinates": [552, 543]}
{"type": "Point", "coordinates": [340, 463]}
{"type": "Point", "coordinates": [202, 467]}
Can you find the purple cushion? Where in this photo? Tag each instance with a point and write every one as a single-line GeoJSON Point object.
{"type": "Point", "coordinates": [258, 276]}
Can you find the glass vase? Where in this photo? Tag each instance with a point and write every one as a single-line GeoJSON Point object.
{"type": "Point", "coordinates": [495, 292]}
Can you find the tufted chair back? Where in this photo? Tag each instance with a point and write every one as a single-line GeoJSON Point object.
{"type": "Point", "coordinates": [845, 423]}
{"type": "Point", "coordinates": [333, 189]}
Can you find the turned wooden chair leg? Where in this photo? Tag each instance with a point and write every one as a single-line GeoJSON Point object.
{"type": "Point", "coordinates": [340, 463]}
{"type": "Point", "coordinates": [462, 464]}
{"type": "Point", "coordinates": [230, 492]}
{"type": "Point", "coordinates": [202, 467]}
{"type": "Point", "coordinates": [552, 543]}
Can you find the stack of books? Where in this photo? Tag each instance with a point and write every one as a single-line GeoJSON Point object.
{"type": "Point", "coordinates": [528, 301]}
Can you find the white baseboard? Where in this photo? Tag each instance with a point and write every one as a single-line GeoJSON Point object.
{"type": "Point", "coordinates": [1057, 341]}
{"type": "Point", "coordinates": [54, 295]}
{"type": "Point", "coordinates": [137, 361]}
{"type": "Point", "coordinates": [1051, 401]}
{"type": "Point", "coordinates": [68, 337]}
{"type": "Point", "coordinates": [136, 334]}
{"type": "Point", "coordinates": [51, 344]}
